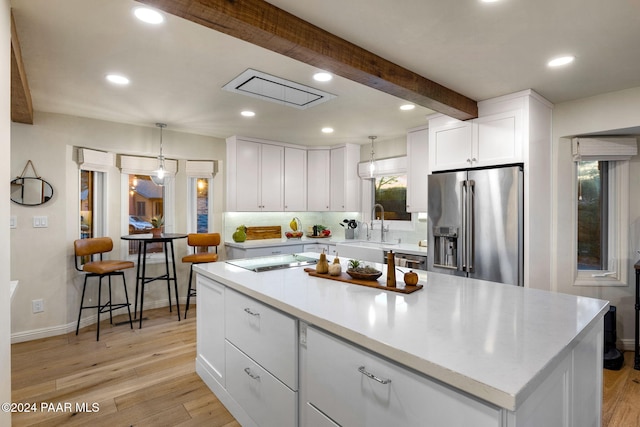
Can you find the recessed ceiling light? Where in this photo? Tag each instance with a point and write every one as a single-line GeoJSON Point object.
{"type": "Point", "coordinates": [489, 1]}
{"type": "Point", "coordinates": [117, 79]}
{"type": "Point", "coordinates": [407, 107]}
{"type": "Point", "coordinates": [322, 77]}
{"type": "Point", "coordinates": [248, 113]}
{"type": "Point", "coordinates": [561, 60]}
{"type": "Point", "coordinates": [149, 16]}
{"type": "Point", "coordinates": [327, 130]}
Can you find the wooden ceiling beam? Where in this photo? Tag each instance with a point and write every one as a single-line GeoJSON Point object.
{"type": "Point", "coordinates": [265, 25]}
{"type": "Point", "coordinates": [21, 105]}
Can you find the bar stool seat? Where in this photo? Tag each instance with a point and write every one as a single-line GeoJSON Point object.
{"type": "Point", "coordinates": [202, 241]}
{"type": "Point", "coordinates": [100, 268]}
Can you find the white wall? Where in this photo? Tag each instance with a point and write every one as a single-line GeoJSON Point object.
{"type": "Point", "coordinates": [5, 150]}
{"type": "Point", "coordinates": [611, 111]}
{"type": "Point", "coordinates": [42, 258]}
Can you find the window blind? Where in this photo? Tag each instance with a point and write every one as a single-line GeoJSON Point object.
{"type": "Point", "coordinates": [605, 148]}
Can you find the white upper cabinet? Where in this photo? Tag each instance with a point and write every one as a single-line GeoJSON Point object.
{"type": "Point", "coordinates": [417, 170]}
{"type": "Point", "coordinates": [318, 180]}
{"type": "Point", "coordinates": [255, 174]}
{"type": "Point", "coordinates": [344, 180]}
{"type": "Point", "coordinates": [449, 143]}
{"type": "Point", "coordinates": [491, 140]}
{"type": "Point", "coordinates": [274, 177]}
{"type": "Point", "coordinates": [295, 179]}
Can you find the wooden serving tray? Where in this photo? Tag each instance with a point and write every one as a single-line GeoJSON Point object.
{"type": "Point", "coordinates": [265, 232]}
{"type": "Point", "coordinates": [344, 277]}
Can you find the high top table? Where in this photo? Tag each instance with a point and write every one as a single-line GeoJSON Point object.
{"type": "Point", "coordinates": [141, 272]}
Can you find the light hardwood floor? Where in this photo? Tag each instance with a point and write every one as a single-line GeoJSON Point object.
{"type": "Point", "coordinates": [147, 377]}
{"type": "Point", "coordinates": [139, 377]}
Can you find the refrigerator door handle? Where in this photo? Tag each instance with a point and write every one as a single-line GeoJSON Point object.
{"type": "Point", "coordinates": [470, 244]}
{"type": "Point", "coordinates": [462, 238]}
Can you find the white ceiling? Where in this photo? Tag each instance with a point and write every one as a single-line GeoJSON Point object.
{"type": "Point", "coordinates": [177, 70]}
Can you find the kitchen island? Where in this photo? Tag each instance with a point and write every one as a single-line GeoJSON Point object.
{"type": "Point", "coordinates": [284, 348]}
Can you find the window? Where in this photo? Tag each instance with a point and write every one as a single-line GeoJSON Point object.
{"type": "Point", "coordinates": [200, 199]}
{"type": "Point", "coordinates": [93, 167]}
{"type": "Point", "coordinates": [144, 196]}
{"type": "Point", "coordinates": [593, 210]}
{"type": "Point", "coordinates": [143, 200]}
{"type": "Point", "coordinates": [391, 192]}
{"type": "Point", "coordinates": [601, 210]}
{"type": "Point", "coordinates": [200, 175]}
{"type": "Point", "coordinates": [92, 216]}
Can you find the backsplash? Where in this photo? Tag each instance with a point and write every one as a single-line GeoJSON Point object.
{"type": "Point", "coordinates": [330, 219]}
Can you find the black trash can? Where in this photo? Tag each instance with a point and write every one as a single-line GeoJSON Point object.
{"type": "Point", "coordinates": [613, 358]}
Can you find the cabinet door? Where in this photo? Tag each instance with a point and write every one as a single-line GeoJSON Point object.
{"type": "Point", "coordinates": [248, 197]}
{"type": "Point", "coordinates": [337, 180]}
{"type": "Point", "coordinates": [450, 145]}
{"type": "Point", "coordinates": [418, 170]}
{"type": "Point", "coordinates": [210, 326]}
{"type": "Point", "coordinates": [499, 139]}
{"type": "Point", "coordinates": [295, 179]}
{"type": "Point", "coordinates": [271, 178]}
{"type": "Point", "coordinates": [353, 387]}
{"type": "Point", "coordinates": [318, 181]}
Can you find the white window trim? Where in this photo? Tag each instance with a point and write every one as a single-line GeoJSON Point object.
{"type": "Point", "coordinates": [199, 169]}
{"type": "Point", "coordinates": [618, 263]}
{"type": "Point", "coordinates": [101, 163]}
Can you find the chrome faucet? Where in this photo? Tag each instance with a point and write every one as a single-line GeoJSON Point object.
{"type": "Point", "coordinates": [369, 234]}
{"type": "Point", "coordinates": [373, 214]}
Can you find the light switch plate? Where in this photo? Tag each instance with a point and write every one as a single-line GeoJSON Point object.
{"type": "Point", "coordinates": [13, 222]}
{"type": "Point", "coordinates": [40, 222]}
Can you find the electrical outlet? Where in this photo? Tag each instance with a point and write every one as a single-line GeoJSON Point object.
{"type": "Point", "coordinates": [37, 305]}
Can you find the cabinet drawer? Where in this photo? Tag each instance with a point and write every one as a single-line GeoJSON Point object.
{"type": "Point", "coordinates": [316, 418]}
{"type": "Point", "coordinates": [266, 335]}
{"type": "Point", "coordinates": [265, 399]}
{"type": "Point", "coordinates": [339, 387]}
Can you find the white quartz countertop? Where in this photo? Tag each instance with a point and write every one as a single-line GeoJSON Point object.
{"type": "Point", "coordinates": [490, 340]}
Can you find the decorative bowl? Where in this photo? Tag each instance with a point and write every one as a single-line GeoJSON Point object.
{"type": "Point", "coordinates": [364, 276]}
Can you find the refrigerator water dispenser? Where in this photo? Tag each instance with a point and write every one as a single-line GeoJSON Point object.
{"type": "Point", "coordinates": [446, 247]}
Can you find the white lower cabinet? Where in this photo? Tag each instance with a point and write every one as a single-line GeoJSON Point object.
{"type": "Point", "coordinates": [265, 399]}
{"type": "Point", "coordinates": [210, 334]}
{"type": "Point", "coordinates": [266, 335]}
{"type": "Point", "coordinates": [352, 387]}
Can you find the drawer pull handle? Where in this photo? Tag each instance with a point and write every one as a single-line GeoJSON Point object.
{"type": "Point", "coordinates": [373, 377]}
{"type": "Point", "coordinates": [251, 374]}
{"type": "Point", "coordinates": [248, 310]}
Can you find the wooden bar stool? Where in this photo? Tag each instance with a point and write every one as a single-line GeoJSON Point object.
{"type": "Point", "coordinates": [100, 269]}
{"type": "Point", "coordinates": [201, 242]}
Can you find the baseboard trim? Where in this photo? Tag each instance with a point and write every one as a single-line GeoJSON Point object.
{"type": "Point", "coordinates": [53, 331]}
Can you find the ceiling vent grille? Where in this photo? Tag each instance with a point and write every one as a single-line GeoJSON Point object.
{"type": "Point", "coordinates": [271, 88]}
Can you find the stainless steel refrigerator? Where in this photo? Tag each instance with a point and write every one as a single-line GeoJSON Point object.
{"type": "Point", "coordinates": [476, 224]}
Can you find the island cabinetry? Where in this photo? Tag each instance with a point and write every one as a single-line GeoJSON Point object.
{"type": "Point", "coordinates": [344, 180]}
{"type": "Point", "coordinates": [295, 180]}
{"type": "Point", "coordinates": [318, 180]}
{"type": "Point", "coordinates": [417, 170]}
{"type": "Point", "coordinates": [256, 176]}
{"type": "Point", "coordinates": [261, 360]}
{"type": "Point", "coordinates": [210, 334]}
{"type": "Point", "coordinates": [352, 387]}
{"type": "Point", "coordinates": [247, 353]}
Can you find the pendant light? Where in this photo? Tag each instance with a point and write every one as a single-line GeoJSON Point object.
{"type": "Point", "coordinates": [372, 166]}
{"type": "Point", "coordinates": [159, 175]}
